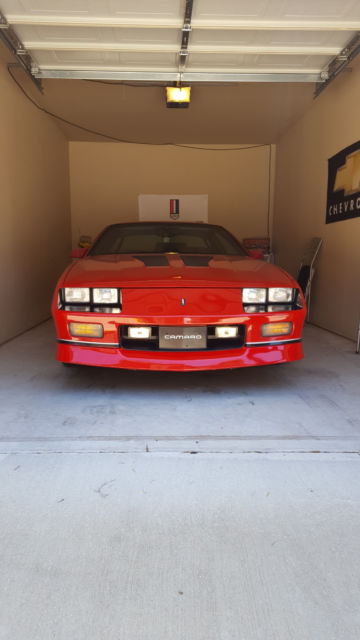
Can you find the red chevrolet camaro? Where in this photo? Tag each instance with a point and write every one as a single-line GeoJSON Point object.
{"type": "Point", "coordinates": [175, 296]}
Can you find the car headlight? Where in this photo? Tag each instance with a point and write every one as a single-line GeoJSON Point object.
{"type": "Point", "coordinates": [253, 296]}
{"type": "Point", "coordinates": [105, 296]}
{"type": "Point", "coordinates": [280, 294]}
{"type": "Point", "coordinates": [77, 294]}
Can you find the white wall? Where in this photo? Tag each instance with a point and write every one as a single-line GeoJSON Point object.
{"type": "Point", "coordinates": [34, 210]}
{"type": "Point", "coordinates": [106, 179]}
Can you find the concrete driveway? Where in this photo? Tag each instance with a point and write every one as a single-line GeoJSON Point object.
{"type": "Point", "coordinates": [201, 506]}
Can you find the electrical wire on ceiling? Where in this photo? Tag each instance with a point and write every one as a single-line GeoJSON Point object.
{"type": "Point", "coordinates": [126, 83]}
{"type": "Point", "coordinates": [117, 139]}
{"type": "Point", "coordinates": [159, 83]}
{"type": "Point", "coordinates": [152, 144]}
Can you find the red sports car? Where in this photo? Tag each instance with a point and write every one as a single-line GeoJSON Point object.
{"type": "Point", "coordinates": [175, 296]}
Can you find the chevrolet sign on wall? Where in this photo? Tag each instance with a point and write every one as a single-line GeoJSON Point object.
{"type": "Point", "coordinates": [343, 195]}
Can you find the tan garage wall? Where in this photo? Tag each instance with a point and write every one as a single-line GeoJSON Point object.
{"type": "Point", "coordinates": [34, 212]}
{"type": "Point", "coordinates": [106, 179]}
{"type": "Point", "coordinates": [331, 124]}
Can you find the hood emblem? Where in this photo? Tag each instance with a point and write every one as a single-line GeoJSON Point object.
{"type": "Point", "coordinates": [183, 302]}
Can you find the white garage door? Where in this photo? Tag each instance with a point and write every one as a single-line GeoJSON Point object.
{"type": "Point", "coordinates": [190, 40]}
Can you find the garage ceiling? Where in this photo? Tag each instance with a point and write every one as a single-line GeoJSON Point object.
{"type": "Point", "coordinates": [203, 40]}
{"type": "Point", "coordinates": [253, 64]}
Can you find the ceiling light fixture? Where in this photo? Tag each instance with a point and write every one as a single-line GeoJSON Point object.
{"type": "Point", "coordinates": [178, 97]}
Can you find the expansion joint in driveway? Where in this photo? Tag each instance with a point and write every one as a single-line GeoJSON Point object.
{"type": "Point", "coordinates": [237, 444]}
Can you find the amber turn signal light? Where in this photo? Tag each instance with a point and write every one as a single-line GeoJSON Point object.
{"type": "Point", "coordinates": [276, 329]}
{"type": "Point", "coordinates": [86, 330]}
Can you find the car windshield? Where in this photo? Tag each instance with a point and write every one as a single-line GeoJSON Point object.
{"type": "Point", "coordinates": [166, 238]}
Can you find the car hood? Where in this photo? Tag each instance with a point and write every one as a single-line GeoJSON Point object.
{"type": "Point", "coordinates": [174, 270]}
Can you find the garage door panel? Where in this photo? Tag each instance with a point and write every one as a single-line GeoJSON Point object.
{"type": "Point", "coordinates": [50, 35]}
{"type": "Point", "coordinates": [89, 8]}
{"type": "Point", "coordinates": [238, 61]}
{"type": "Point", "coordinates": [272, 10]}
{"type": "Point", "coordinates": [331, 9]}
{"type": "Point", "coordinates": [205, 9]}
{"type": "Point", "coordinates": [114, 59]}
{"type": "Point", "coordinates": [248, 37]}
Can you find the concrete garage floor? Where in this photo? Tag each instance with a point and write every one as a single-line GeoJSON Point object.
{"type": "Point", "coordinates": [110, 528]}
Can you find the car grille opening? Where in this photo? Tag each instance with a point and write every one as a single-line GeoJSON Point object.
{"type": "Point", "coordinates": [152, 344]}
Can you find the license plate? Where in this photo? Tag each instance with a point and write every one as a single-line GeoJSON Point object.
{"type": "Point", "coordinates": [175, 338]}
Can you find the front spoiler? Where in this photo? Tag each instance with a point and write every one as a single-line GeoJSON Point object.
{"type": "Point", "coordinates": [274, 352]}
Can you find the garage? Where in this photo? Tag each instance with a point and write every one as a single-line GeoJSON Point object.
{"type": "Point", "coordinates": [215, 500]}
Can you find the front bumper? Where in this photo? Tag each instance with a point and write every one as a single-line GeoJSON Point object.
{"type": "Point", "coordinates": [194, 361]}
{"type": "Point", "coordinates": [108, 352]}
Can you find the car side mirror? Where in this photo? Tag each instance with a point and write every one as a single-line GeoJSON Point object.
{"type": "Point", "coordinates": [78, 253]}
{"type": "Point", "coordinates": [258, 254]}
